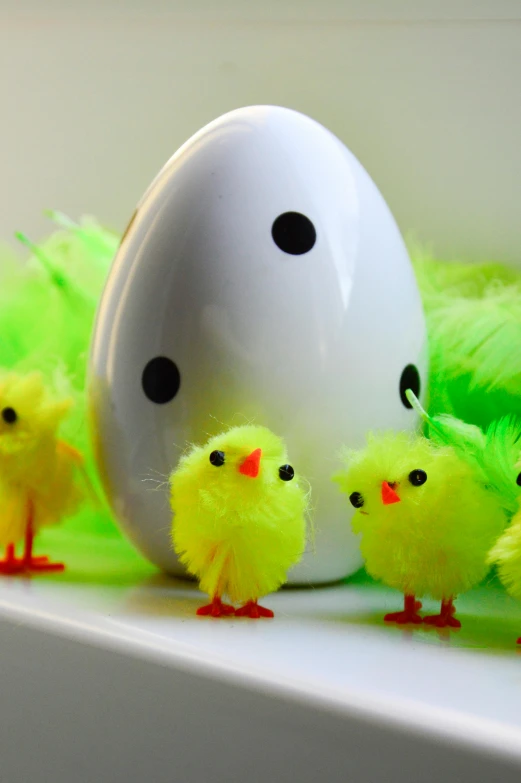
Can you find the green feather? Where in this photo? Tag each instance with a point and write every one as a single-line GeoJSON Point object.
{"type": "Point", "coordinates": [47, 309]}
{"type": "Point", "coordinates": [492, 455]}
{"type": "Point", "coordinates": [473, 314]}
{"type": "Point", "coordinates": [447, 430]}
{"type": "Point", "coordinates": [501, 458]}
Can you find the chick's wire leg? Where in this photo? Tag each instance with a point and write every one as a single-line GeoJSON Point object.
{"type": "Point", "coordinates": [445, 619]}
{"type": "Point", "coordinates": [253, 610]}
{"type": "Point", "coordinates": [215, 609]}
{"type": "Point", "coordinates": [29, 561]}
{"type": "Point", "coordinates": [409, 614]}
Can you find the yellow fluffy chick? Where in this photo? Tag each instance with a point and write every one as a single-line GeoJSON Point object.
{"type": "Point", "coordinates": [426, 522]}
{"type": "Point", "coordinates": [506, 555]}
{"type": "Point", "coordinates": [239, 518]}
{"type": "Point", "coordinates": [37, 470]}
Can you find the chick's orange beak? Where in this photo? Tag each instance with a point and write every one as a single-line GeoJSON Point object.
{"type": "Point", "coordinates": [251, 465]}
{"type": "Point", "coordinates": [388, 494]}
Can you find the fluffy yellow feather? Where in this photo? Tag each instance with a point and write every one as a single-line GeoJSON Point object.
{"type": "Point", "coordinates": [239, 518]}
{"type": "Point", "coordinates": [506, 555]}
{"type": "Point", "coordinates": [426, 521]}
{"type": "Point", "coordinates": [37, 470]}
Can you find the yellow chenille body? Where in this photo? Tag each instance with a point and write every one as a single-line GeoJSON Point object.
{"type": "Point", "coordinates": [37, 471]}
{"type": "Point", "coordinates": [506, 554]}
{"type": "Point", "coordinates": [238, 535]}
{"type": "Point", "coordinates": [435, 540]}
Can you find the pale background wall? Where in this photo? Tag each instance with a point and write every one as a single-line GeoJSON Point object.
{"type": "Point", "coordinates": [95, 96]}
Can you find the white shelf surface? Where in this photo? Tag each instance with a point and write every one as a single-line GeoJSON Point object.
{"type": "Point", "coordinates": [126, 683]}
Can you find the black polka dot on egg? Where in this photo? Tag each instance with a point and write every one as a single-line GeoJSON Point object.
{"type": "Point", "coordinates": [410, 379]}
{"type": "Point", "coordinates": [161, 380]}
{"type": "Point", "coordinates": [294, 233]}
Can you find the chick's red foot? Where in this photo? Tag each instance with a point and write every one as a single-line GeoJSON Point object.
{"type": "Point", "coordinates": [36, 562]}
{"type": "Point", "coordinates": [409, 615]}
{"type": "Point", "coordinates": [15, 565]}
{"type": "Point", "coordinates": [445, 619]}
{"type": "Point", "coordinates": [215, 609]}
{"type": "Point", "coordinates": [253, 610]}
{"type": "Point", "coordinates": [41, 563]}
{"type": "Point", "coordinates": [11, 565]}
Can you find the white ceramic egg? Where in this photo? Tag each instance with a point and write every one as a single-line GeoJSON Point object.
{"type": "Point", "coordinates": [262, 278]}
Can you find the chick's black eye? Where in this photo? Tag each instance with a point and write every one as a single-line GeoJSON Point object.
{"type": "Point", "coordinates": [217, 458]}
{"type": "Point", "coordinates": [356, 499]}
{"type": "Point", "coordinates": [518, 480]}
{"type": "Point", "coordinates": [417, 477]}
{"type": "Point", "coordinates": [294, 233]}
{"type": "Point", "coordinates": [9, 415]}
{"type": "Point", "coordinates": [286, 472]}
